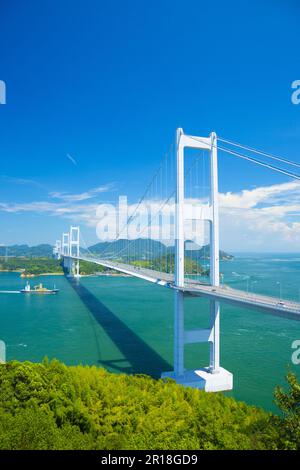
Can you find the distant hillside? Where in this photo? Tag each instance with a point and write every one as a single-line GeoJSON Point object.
{"type": "Point", "coordinates": [43, 250]}
{"type": "Point", "coordinates": [193, 251]}
{"type": "Point", "coordinates": [143, 248]}
{"type": "Point", "coordinates": [166, 263]}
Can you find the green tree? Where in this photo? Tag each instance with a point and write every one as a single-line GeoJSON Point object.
{"type": "Point", "coordinates": [289, 403]}
{"type": "Point", "coordinates": [52, 406]}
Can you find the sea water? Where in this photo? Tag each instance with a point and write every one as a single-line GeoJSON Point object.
{"type": "Point", "coordinates": [126, 325]}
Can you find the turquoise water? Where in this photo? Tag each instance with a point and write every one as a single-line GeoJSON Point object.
{"type": "Point", "coordinates": [126, 325]}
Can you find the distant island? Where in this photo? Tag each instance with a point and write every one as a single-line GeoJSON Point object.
{"type": "Point", "coordinates": [145, 249]}
{"type": "Point", "coordinates": [38, 266]}
{"type": "Point", "coordinates": [146, 253]}
{"type": "Point", "coordinates": [166, 264]}
{"type": "Point", "coordinates": [43, 251]}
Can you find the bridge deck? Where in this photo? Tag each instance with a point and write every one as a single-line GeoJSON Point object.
{"type": "Point", "coordinates": [267, 304]}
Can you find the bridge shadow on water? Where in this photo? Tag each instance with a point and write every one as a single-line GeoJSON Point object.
{"type": "Point", "coordinates": [141, 357]}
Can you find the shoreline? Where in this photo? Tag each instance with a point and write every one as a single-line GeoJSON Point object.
{"type": "Point", "coordinates": [30, 276]}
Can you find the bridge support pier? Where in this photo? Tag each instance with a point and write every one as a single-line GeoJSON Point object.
{"type": "Point", "coordinates": [73, 268]}
{"type": "Point", "coordinates": [212, 378]}
{"type": "Point", "coordinates": [178, 333]}
{"type": "Point", "coordinates": [67, 265]}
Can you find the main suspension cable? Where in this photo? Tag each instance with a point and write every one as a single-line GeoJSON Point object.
{"type": "Point", "coordinates": [260, 152]}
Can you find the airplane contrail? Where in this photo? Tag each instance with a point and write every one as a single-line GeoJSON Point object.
{"type": "Point", "coordinates": [71, 159]}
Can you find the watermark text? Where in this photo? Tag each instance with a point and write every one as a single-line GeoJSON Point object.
{"type": "Point", "coordinates": [296, 93]}
{"type": "Point", "coordinates": [296, 353]}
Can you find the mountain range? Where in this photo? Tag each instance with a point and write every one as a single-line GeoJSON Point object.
{"type": "Point", "coordinates": [140, 248]}
{"type": "Point", "coordinates": [143, 248]}
{"type": "Point", "coordinates": [44, 250]}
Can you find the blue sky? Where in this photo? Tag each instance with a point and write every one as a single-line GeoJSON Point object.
{"type": "Point", "coordinates": [95, 91]}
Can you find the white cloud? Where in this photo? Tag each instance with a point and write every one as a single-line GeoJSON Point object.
{"type": "Point", "coordinates": [76, 207]}
{"type": "Point", "coordinates": [91, 193]}
{"type": "Point", "coordinates": [265, 218]}
{"type": "Point", "coordinates": [50, 208]}
{"type": "Point", "coordinates": [262, 218]}
{"type": "Point", "coordinates": [21, 181]}
{"type": "Point", "coordinates": [250, 198]}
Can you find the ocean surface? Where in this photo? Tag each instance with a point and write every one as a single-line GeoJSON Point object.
{"type": "Point", "coordinates": [126, 325]}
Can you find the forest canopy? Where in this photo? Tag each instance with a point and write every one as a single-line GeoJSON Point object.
{"type": "Point", "coordinates": [51, 406]}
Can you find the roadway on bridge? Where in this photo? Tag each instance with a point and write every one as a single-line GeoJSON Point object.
{"type": "Point", "coordinates": [225, 294]}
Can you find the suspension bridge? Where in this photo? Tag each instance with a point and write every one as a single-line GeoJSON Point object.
{"type": "Point", "coordinates": [160, 242]}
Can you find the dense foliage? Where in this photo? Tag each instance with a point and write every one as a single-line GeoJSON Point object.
{"type": "Point", "coordinates": [86, 267]}
{"type": "Point", "coordinates": [44, 250]}
{"type": "Point", "coordinates": [31, 265]}
{"type": "Point", "coordinates": [39, 265]}
{"type": "Point", "coordinates": [52, 406]}
{"type": "Point", "coordinates": [166, 264]}
{"type": "Point", "coordinates": [289, 403]}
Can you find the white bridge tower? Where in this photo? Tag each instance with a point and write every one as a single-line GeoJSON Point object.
{"type": "Point", "coordinates": [70, 250]}
{"type": "Point", "coordinates": [57, 249]}
{"type": "Point", "coordinates": [65, 244]}
{"type": "Point", "coordinates": [213, 377]}
{"type": "Point", "coordinates": [75, 250]}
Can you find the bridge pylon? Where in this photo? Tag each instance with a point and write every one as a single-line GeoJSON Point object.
{"type": "Point", "coordinates": [212, 378]}
{"type": "Point", "coordinates": [57, 250]}
{"type": "Point", "coordinates": [70, 250]}
{"type": "Point", "coordinates": [74, 250]}
{"type": "Point", "coordinates": [65, 251]}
